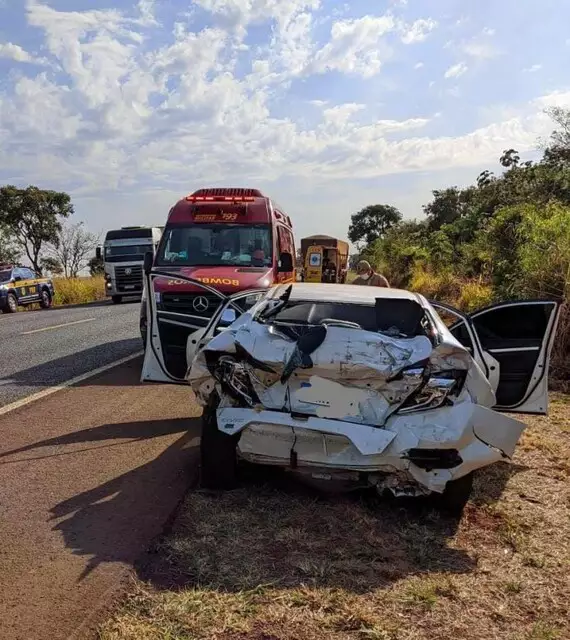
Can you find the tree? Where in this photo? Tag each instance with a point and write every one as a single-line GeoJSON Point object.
{"type": "Point", "coordinates": [96, 266]}
{"type": "Point", "coordinates": [510, 158]}
{"type": "Point", "coordinates": [558, 149]}
{"type": "Point", "coordinates": [9, 253]}
{"type": "Point", "coordinates": [72, 247]}
{"type": "Point", "coordinates": [51, 265]}
{"type": "Point", "coordinates": [32, 218]}
{"type": "Point", "coordinates": [373, 222]}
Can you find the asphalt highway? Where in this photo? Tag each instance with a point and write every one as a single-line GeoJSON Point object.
{"type": "Point", "coordinates": [44, 348]}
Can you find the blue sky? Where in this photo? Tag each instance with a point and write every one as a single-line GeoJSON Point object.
{"type": "Point", "coordinates": [328, 106]}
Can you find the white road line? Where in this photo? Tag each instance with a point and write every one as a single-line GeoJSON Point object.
{"type": "Point", "coordinates": [64, 385]}
{"type": "Point", "coordinates": [57, 326]}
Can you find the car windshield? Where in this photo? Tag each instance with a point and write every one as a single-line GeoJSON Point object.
{"type": "Point", "coordinates": [131, 250]}
{"type": "Point", "coordinates": [217, 245]}
{"type": "Point", "coordinates": [5, 276]}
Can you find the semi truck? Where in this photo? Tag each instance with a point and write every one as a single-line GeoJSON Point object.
{"type": "Point", "coordinates": [325, 259]}
{"type": "Point", "coordinates": [123, 255]}
{"type": "Point", "coordinates": [217, 243]}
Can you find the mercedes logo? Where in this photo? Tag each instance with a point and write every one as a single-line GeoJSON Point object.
{"type": "Point", "coordinates": [200, 304]}
{"type": "Point", "coordinates": [128, 272]}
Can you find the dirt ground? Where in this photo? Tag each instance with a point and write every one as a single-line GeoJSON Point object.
{"type": "Point", "coordinates": [274, 561]}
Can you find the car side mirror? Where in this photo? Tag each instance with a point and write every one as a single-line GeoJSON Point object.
{"type": "Point", "coordinates": [229, 316]}
{"type": "Point", "coordinates": [17, 278]}
{"type": "Point", "coordinates": [98, 253]}
{"type": "Point", "coordinates": [148, 260]}
{"type": "Point", "coordinates": [285, 263]}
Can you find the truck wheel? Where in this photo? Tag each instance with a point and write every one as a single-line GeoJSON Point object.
{"type": "Point", "coordinates": [45, 299]}
{"type": "Point", "coordinates": [456, 495]}
{"type": "Point", "coordinates": [218, 460]}
{"type": "Point", "coordinates": [117, 299]}
{"type": "Point", "coordinates": [11, 304]}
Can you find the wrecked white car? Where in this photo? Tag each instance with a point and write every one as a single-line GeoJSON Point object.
{"type": "Point", "coordinates": [365, 386]}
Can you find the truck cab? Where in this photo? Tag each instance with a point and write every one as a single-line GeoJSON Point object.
{"type": "Point", "coordinates": [226, 241]}
{"type": "Point", "coordinates": [123, 255]}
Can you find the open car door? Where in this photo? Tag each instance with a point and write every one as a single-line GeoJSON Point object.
{"type": "Point", "coordinates": [174, 336]}
{"type": "Point", "coordinates": [512, 343]}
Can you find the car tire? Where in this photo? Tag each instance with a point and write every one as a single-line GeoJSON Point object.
{"type": "Point", "coordinates": [456, 495]}
{"type": "Point", "coordinates": [45, 299]}
{"type": "Point", "coordinates": [218, 459]}
{"type": "Point", "coordinates": [117, 299]}
{"type": "Point", "coordinates": [11, 304]}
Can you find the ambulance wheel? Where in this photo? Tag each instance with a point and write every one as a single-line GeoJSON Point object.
{"type": "Point", "coordinates": [218, 459]}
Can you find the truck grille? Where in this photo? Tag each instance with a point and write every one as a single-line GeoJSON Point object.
{"type": "Point", "coordinates": [129, 279]}
{"type": "Point", "coordinates": [195, 304]}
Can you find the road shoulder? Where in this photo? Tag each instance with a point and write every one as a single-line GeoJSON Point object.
{"type": "Point", "coordinates": [88, 478]}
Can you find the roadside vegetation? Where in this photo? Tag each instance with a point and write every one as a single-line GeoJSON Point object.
{"type": "Point", "coordinates": [505, 237]}
{"type": "Point", "coordinates": [78, 290]}
{"type": "Point", "coordinates": [280, 562]}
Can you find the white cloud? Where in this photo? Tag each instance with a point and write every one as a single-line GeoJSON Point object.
{"type": "Point", "coordinates": [16, 53]}
{"type": "Point", "coordinates": [456, 70]}
{"type": "Point", "coordinates": [419, 65]}
{"type": "Point", "coordinates": [418, 30]}
{"type": "Point", "coordinates": [355, 46]}
{"type": "Point", "coordinates": [533, 69]}
{"type": "Point", "coordinates": [129, 113]}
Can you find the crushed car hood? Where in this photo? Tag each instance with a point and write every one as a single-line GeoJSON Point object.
{"type": "Point", "coordinates": [352, 375]}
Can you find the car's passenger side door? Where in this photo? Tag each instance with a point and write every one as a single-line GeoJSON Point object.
{"type": "Point", "coordinates": [512, 343]}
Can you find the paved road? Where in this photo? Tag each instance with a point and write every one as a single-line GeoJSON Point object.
{"type": "Point", "coordinates": [88, 475]}
{"type": "Point", "coordinates": [41, 349]}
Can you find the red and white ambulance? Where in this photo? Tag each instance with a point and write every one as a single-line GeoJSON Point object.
{"type": "Point", "coordinates": [217, 243]}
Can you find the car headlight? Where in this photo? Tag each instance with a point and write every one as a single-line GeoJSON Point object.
{"type": "Point", "coordinates": [3, 287]}
{"type": "Point", "coordinates": [435, 389]}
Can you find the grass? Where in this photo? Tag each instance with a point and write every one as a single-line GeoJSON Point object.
{"type": "Point", "coordinates": [275, 561]}
{"type": "Point", "coordinates": [78, 290]}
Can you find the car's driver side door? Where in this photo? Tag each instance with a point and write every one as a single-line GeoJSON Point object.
{"type": "Point", "coordinates": [512, 343]}
{"type": "Point", "coordinates": [160, 364]}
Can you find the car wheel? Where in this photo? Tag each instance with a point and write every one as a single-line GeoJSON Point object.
{"type": "Point", "coordinates": [45, 300]}
{"type": "Point", "coordinates": [11, 304]}
{"type": "Point", "coordinates": [117, 299]}
{"type": "Point", "coordinates": [456, 495]}
{"type": "Point", "coordinates": [218, 460]}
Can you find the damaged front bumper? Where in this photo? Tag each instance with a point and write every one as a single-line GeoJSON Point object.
{"type": "Point", "coordinates": [427, 449]}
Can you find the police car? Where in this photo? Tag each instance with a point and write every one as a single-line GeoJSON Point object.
{"type": "Point", "coordinates": [20, 286]}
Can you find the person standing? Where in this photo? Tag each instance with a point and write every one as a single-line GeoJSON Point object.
{"type": "Point", "coordinates": [367, 276]}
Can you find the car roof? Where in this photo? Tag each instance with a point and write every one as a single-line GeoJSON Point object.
{"type": "Point", "coordinates": [347, 293]}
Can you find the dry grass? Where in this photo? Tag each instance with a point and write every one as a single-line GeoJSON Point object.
{"type": "Point", "coordinates": [279, 562]}
{"type": "Point", "coordinates": [78, 290]}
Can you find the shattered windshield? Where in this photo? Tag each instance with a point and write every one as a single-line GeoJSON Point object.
{"type": "Point", "coordinates": [217, 245]}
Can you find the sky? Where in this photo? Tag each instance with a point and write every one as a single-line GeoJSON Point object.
{"type": "Point", "coordinates": [326, 106]}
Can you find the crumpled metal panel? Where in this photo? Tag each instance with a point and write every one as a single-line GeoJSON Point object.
{"type": "Point", "coordinates": [351, 396]}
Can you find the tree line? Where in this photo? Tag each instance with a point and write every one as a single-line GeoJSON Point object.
{"type": "Point", "coordinates": [510, 232]}
{"type": "Point", "coordinates": [507, 236]}
{"type": "Point", "coordinates": [34, 225]}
